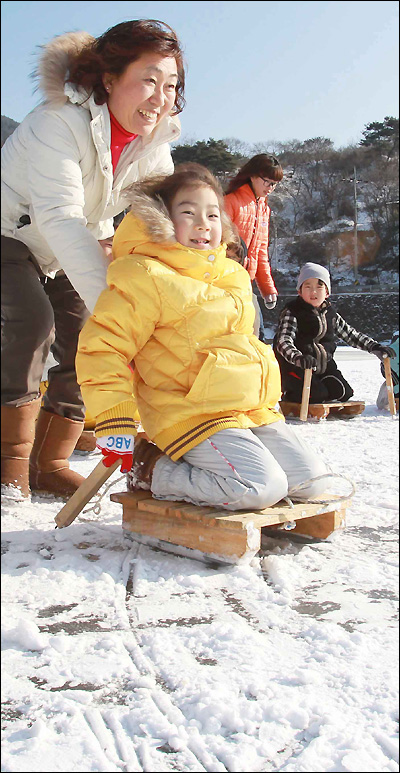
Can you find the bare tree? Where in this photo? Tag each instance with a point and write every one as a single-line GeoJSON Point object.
{"type": "Point", "coordinates": [237, 147]}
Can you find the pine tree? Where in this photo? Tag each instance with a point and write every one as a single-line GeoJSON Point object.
{"type": "Point", "coordinates": [382, 135]}
{"type": "Point", "coordinates": [213, 154]}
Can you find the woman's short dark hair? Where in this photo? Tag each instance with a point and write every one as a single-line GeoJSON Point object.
{"type": "Point", "coordinates": [113, 51]}
{"type": "Point", "coordinates": [263, 165]}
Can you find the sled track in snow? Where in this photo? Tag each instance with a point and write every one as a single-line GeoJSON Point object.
{"type": "Point", "coordinates": [196, 756]}
{"type": "Point", "coordinates": [118, 739]}
{"type": "Point", "coordinates": [167, 613]}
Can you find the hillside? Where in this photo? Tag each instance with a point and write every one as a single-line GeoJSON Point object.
{"type": "Point", "coordinates": [7, 127]}
{"type": "Point", "coordinates": [324, 193]}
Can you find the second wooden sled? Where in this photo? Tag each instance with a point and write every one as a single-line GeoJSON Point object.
{"type": "Point", "coordinates": [322, 410]}
{"type": "Point", "coordinates": [206, 532]}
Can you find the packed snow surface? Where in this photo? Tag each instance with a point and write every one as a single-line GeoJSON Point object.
{"type": "Point", "coordinates": [118, 657]}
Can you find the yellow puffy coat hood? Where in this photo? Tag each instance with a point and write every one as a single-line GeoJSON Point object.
{"type": "Point", "coordinates": [185, 317]}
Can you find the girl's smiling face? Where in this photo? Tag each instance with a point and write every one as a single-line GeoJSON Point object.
{"type": "Point", "coordinates": [196, 216]}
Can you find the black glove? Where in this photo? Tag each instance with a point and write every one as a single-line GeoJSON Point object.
{"type": "Point", "coordinates": [305, 361]}
{"type": "Point", "coordinates": [383, 351]}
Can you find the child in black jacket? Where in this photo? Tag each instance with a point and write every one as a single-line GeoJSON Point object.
{"type": "Point", "coordinates": [306, 338]}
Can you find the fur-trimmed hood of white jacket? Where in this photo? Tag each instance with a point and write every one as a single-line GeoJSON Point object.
{"type": "Point", "coordinates": [54, 63]}
{"type": "Point", "coordinates": [57, 172]}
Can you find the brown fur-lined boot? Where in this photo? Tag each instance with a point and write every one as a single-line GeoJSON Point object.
{"type": "Point", "coordinates": [86, 442]}
{"type": "Point", "coordinates": [55, 440]}
{"type": "Point", "coordinates": [145, 455]}
{"type": "Point", "coordinates": [17, 436]}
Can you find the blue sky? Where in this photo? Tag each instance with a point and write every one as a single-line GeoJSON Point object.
{"type": "Point", "coordinates": [257, 71]}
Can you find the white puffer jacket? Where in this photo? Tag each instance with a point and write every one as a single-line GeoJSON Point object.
{"type": "Point", "coordinates": [57, 169]}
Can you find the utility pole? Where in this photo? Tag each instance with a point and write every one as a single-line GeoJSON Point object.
{"type": "Point", "coordinates": [275, 248]}
{"type": "Point", "coordinates": [355, 229]}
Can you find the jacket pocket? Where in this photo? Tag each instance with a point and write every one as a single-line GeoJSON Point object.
{"type": "Point", "coordinates": [234, 376]}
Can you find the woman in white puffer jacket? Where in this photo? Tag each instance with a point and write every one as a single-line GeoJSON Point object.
{"type": "Point", "coordinates": [109, 114]}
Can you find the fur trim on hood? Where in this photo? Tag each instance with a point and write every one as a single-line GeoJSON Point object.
{"type": "Point", "coordinates": [155, 216]}
{"type": "Point", "coordinates": [54, 63]}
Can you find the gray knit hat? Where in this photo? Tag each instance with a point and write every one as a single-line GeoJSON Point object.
{"type": "Point", "coordinates": [314, 271]}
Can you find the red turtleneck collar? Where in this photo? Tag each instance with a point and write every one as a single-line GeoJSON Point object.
{"type": "Point", "coordinates": [119, 138]}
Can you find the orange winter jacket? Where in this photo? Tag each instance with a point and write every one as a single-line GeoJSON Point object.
{"type": "Point", "coordinates": [251, 216]}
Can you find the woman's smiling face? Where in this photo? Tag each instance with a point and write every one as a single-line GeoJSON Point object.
{"type": "Point", "coordinates": [144, 94]}
{"type": "Point", "coordinates": [196, 216]}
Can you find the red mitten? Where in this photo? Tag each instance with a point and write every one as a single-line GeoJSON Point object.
{"type": "Point", "coordinates": [114, 447]}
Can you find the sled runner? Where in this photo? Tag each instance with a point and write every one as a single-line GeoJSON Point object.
{"type": "Point", "coordinates": [322, 410]}
{"type": "Point", "coordinates": [219, 535]}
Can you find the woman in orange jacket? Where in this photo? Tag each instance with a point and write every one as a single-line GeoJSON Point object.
{"type": "Point", "coordinates": [246, 203]}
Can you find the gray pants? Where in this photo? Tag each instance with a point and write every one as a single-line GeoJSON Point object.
{"type": "Point", "coordinates": [239, 469]}
{"type": "Point", "coordinates": [38, 315]}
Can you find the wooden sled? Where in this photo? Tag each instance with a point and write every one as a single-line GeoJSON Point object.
{"type": "Point", "coordinates": [322, 410]}
{"type": "Point", "coordinates": [217, 535]}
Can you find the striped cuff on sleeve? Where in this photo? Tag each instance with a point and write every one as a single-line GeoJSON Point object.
{"type": "Point", "coordinates": [118, 420]}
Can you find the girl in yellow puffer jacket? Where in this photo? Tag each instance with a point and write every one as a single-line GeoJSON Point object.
{"type": "Point", "coordinates": [206, 388]}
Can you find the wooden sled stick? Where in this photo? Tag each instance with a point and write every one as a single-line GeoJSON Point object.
{"type": "Point", "coordinates": [389, 385]}
{"type": "Point", "coordinates": [84, 493]}
{"type": "Point", "coordinates": [305, 397]}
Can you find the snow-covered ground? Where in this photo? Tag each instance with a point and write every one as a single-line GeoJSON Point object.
{"type": "Point", "coordinates": [121, 658]}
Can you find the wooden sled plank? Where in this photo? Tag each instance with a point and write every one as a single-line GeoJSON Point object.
{"type": "Point", "coordinates": [231, 537]}
{"type": "Point", "coordinates": [351, 408]}
{"type": "Point", "coordinates": [179, 524]}
{"type": "Point", "coordinates": [321, 526]}
{"type": "Point", "coordinates": [157, 544]}
{"type": "Point", "coordinates": [279, 513]}
{"type": "Point", "coordinates": [322, 410]}
{"type": "Point", "coordinates": [317, 526]}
